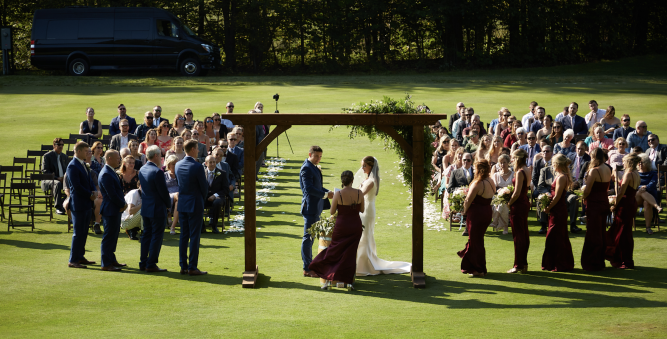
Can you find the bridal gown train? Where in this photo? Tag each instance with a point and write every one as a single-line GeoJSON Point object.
{"type": "Point", "coordinates": [368, 262]}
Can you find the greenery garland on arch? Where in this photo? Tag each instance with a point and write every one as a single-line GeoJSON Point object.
{"type": "Point", "coordinates": [390, 106]}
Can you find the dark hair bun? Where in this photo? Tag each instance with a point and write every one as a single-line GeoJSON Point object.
{"type": "Point", "coordinates": [346, 178]}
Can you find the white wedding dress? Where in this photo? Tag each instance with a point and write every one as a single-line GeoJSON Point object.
{"type": "Point", "coordinates": [368, 262]}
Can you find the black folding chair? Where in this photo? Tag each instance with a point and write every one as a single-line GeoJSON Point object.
{"type": "Point", "coordinates": [47, 197]}
{"type": "Point", "coordinates": [20, 207]}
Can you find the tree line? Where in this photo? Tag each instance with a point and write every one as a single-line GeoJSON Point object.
{"type": "Point", "coordinates": [340, 35]}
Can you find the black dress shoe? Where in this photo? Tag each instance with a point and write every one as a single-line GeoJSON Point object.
{"type": "Point", "coordinates": [196, 272]}
{"type": "Point", "coordinates": [85, 261]}
{"type": "Point", "coordinates": [111, 268]}
{"type": "Point", "coordinates": [96, 229]}
{"type": "Point", "coordinates": [574, 229]}
{"type": "Point", "coordinates": [215, 230]}
{"type": "Point", "coordinates": [156, 270]}
{"type": "Point", "coordinates": [116, 264]}
{"type": "Point", "coordinates": [542, 231]}
{"type": "Point", "coordinates": [133, 234]}
{"type": "Point", "coordinates": [60, 212]}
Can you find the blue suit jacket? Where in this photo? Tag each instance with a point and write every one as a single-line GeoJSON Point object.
{"type": "Point", "coordinates": [238, 151]}
{"type": "Point", "coordinates": [112, 192]}
{"type": "Point", "coordinates": [310, 181]}
{"type": "Point", "coordinates": [579, 127]}
{"type": "Point", "coordinates": [192, 185]}
{"type": "Point", "coordinates": [80, 186]}
{"type": "Point", "coordinates": [154, 194]}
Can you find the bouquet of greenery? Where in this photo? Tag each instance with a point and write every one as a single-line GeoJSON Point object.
{"type": "Point", "coordinates": [544, 199]}
{"type": "Point", "coordinates": [457, 198]}
{"type": "Point", "coordinates": [579, 194]}
{"type": "Point", "coordinates": [323, 227]}
{"type": "Point", "coordinates": [503, 196]}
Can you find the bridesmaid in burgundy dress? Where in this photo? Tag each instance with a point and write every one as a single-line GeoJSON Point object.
{"type": "Point", "coordinates": [619, 236]}
{"type": "Point", "coordinates": [519, 207]}
{"type": "Point", "coordinates": [558, 255]}
{"type": "Point", "coordinates": [597, 209]}
{"type": "Point", "coordinates": [477, 208]}
{"type": "Point", "coordinates": [339, 260]}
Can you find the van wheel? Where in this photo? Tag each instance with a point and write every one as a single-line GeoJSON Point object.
{"type": "Point", "coordinates": [78, 67]}
{"type": "Point", "coordinates": [190, 67]}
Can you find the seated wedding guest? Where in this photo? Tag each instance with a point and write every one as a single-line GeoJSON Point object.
{"type": "Point", "coordinates": [558, 255]}
{"type": "Point", "coordinates": [595, 114]}
{"type": "Point", "coordinates": [656, 151]}
{"type": "Point", "coordinates": [114, 126]}
{"type": "Point", "coordinates": [179, 126]}
{"type": "Point", "coordinates": [472, 142]}
{"type": "Point", "coordinates": [227, 122]}
{"type": "Point", "coordinates": [219, 129]}
{"type": "Point", "coordinates": [475, 120]}
{"type": "Point", "coordinates": [521, 139]}
{"type": "Point", "coordinates": [512, 137]}
{"type": "Point", "coordinates": [97, 161]}
{"type": "Point", "coordinates": [540, 161]}
{"type": "Point", "coordinates": [440, 132]}
{"type": "Point", "coordinates": [538, 124]}
{"type": "Point", "coordinates": [97, 203]}
{"type": "Point", "coordinates": [564, 113]}
{"type": "Point", "coordinates": [172, 188]}
{"type": "Point", "coordinates": [601, 140]}
{"type": "Point", "coordinates": [591, 135]}
{"type": "Point", "coordinates": [494, 152]}
{"type": "Point", "coordinates": [131, 220]}
{"type": "Point", "coordinates": [495, 122]}
{"type": "Point", "coordinates": [157, 117]}
{"type": "Point", "coordinates": [230, 158]}
{"type": "Point", "coordinates": [616, 156]}
{"type": "Point", "coordinates": [610, 122]}
{"type": "Point", "coordinates": [477, 209]}
{"type": "Point", "coordinates": [128, 175]}
{"type": "Point", "coordinates": [502, 179]}
{"type": "Point", "coordinates": [546, 128]}
{"type": "Point", "coordinates": [510, 128]}
{"type": "Point", "coordinates": [133, 145]}
{"type": "Point", "coordinates": [91, 126]}
{"type": "Point", "coordinates": [141, 130]}
{"type": "Point", "coordinates": [531, 148]}
{"type": "Point", "coordinates": [219, 154]}
{"type": "Point", "coordinates": [201, 135]}
{"type": "Point", "coordinates": [189, 118]}
{"type": "Point", "coordinates": [338, 260]}
{"type": "Point", "coordinates": [625, 128]}
{"type": "Point", "coordinates": [164, 141]}
{"type": "Point", "coordinates": [462, 177]}
{"type": "Point", "coordinates": [460, 108]}
{"type": "Point", "coordinates": [438, 155]}
{"type": "Point", "coordinates": [575, 122]}
{"type": "Point", "coordinates": [484, 147]}
{"type": "Point", "coordinates": [529, 118]}
{"type": "Point", "coordinates": [579, 162]}
{"type": "Point", "coordinates": [233, 138]}
{"type": "Point", "coordinates": [218, 191]}
{"type": "Point", "coordinates": [239, 135]}
{"type": "Point", "coordinates": [55, 162]}
{"type": "Point", "coordinates": [151, 139]}
{"type": "Point", "coordinates": [566, 146]}
{"type": "Point", "coordinates": [457, 162]}
{"type": "Point", "coordinates": [202, 151]}
{"type": "Point", "coordinates": [120, 141]}
{"type": "Point", "coordinates": [647, 195]}
{"type": "Point", "coordinates": [177, 149]}
{"type": "Point", "coordinates": [449, 157]}
{"type": "Point", "coordinates": [639, 137]}
{"type": "Point", "coordinates": [503, 124]}
{"type": "Point", "coordinates": [556, 135]}
{"type": "Point", "coordinates": [208, 131]}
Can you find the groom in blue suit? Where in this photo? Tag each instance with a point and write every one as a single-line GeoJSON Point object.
{"type": "Point", "coordinates": [154, 203]}
{"type": "Point", "coordinates": [313, 202]}
{"type": "Point", "coordinates": [193, 189]}
{"type": "Point", "coordinates": [82, 194]}
{"type": "Point", "coordinates": [113, 204]}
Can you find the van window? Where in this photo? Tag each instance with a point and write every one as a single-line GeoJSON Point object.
{"type": "Point", "coordinates": [132, 29]}
{"type": "Point", "coordinates": [62, 29]}
{"type": "Point", "coordinates": [99, 28]}
{"type": "Point", "coordinates": [166, 28]}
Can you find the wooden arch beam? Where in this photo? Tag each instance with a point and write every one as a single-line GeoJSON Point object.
{"type": "Point", "coordinates": [269, 138]}
{"type": "Point", "coordinates": [391, 131]}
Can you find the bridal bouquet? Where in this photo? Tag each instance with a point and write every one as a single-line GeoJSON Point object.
{"type": "Point", "coordinates": [544, 199]}
{"type": "Point", "coordinates": [504, 195]}
{"type": "Point", "coordinates": [612, 200]}
{"type": "Point", "coordinates": [323, 227]}
{"type": "Point", "coordinates": [457, 198]}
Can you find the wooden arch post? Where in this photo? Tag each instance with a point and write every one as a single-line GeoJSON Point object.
{"type": "Point", "coordinates": [384, 122]}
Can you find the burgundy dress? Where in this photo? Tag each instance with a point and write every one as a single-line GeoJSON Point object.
{"type": "Point", "coordinates": [478, 218]}
{"type": "Point", "coordinates": [619, 236]}
{"type": "Point", "coordinates": [519, 223]}
{"type": "Point", "coordinates": [557, 255]}
{"type": "Point", "coordinates": [339, 260]}
{"type": "Point", "coordinates": [597, 209]}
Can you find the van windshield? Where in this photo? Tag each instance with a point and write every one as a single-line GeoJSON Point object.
{"type": "Point", "coordinates": [187, 30]}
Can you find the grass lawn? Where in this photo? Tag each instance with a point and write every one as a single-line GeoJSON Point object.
{"type": "Point", "coordinates": [41, 297]}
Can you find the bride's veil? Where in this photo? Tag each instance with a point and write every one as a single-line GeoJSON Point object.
{"type": "Point", "coordinates": [360, 176]}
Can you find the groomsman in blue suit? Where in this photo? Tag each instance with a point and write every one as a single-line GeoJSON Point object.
{"type": "Point", "coordinates": [155, 201]}
{"type": "Point", "coordinates": [192, 188]}
{"type": "Point", "coordinates": [313, 202]}
{"type": "Point", "coordinates": [574, 122]}
{"type": "Point", "coordinates": [113, 204]}
{"type": "Point", "coordinates": [82, 194]}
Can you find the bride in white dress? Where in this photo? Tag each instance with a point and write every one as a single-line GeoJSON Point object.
{"type": "Point", "coordinates": [368, 263]}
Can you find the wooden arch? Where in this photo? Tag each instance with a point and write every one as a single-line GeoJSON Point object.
{"type": "Point", "coordinates": [384, 122]}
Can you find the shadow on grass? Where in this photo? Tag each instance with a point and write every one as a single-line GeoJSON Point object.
{"type": "Point", "coordinates": [33, 245]}
{"type": "Point", "coordinates": [215, 279]}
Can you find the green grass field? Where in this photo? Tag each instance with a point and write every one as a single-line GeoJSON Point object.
{"type": "Point", "coordinates": [41, 297]}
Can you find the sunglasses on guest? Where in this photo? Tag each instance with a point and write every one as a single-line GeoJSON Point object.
{"type": "Point", "coordinates": [532, 138]}
{"type": "Point", "coordinates": [626, 119]}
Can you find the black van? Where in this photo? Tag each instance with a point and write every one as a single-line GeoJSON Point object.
{"type": "Point", "coordinates": [82, 39]}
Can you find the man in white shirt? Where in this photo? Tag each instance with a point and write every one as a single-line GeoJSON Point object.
{"type": "Point", "coordinates": [157, 116]}
{"type": "Point", "coordinates": [564, 113]}
{"type": "Point", "coordinates": [227, 122]}
{"type": "Point", "coordinates": [120, 141]}
{"type": "Point", "coordinates": [525, 121]}
{"type": "Point", "coordinates": [595, 115]}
